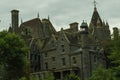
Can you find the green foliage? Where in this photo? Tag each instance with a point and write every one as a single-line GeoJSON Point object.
{"type": "Point", "coordinates": [13, 53]}
{"type": "Point", "coordinates": [115, 52]}
{"type": "Point", "coordinates": [72, 76]}
{"type": "Point", "coordinates": [103, 74]}
{"type": "Point", "coordinates": [115, 56]}
{"type": "Point", "coordinates": [49, 76]}
{"type": "Point", "coordinates": [23, 78]}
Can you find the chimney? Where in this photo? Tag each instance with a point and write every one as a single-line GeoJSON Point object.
{"type": "Point", "coordinates": [74, 26]}
{"type": "Point", "coordinates": [15, 20]}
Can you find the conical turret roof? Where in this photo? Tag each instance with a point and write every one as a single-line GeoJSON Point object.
{"type": "Point", "coordinates": [95, 17]}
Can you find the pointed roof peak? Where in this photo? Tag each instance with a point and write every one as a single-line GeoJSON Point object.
{"type": "Point", "coordinates": [95, 15]}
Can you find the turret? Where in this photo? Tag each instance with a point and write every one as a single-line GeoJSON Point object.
{"type": "Point", "coordinates": [85, 51]}
{"type": "Point", "coordinates": [15, 20]}
{"type": "Point", "coordinates": [95, 16]}
{"type": "Point", "coordinates": [84, 34]}
{"type": "Point", "coordinates": [84, 28]}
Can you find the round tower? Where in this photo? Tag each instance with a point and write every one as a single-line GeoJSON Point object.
{"type": "Point", "coordinates": [84, 34]}
{"type": "Point", "coordinates": [15, 20]}
{"type": "Point", "coordinates": [85, 51]}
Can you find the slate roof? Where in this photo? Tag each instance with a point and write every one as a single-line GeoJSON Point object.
{"type": "Point", "coordinates": [95, 17]}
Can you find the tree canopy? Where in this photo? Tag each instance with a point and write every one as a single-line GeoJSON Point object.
{"type": "Point", "coordinates": [13, 54]}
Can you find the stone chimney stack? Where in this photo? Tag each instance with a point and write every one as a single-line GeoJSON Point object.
{"type": "Point", "coordinates": [15, 20]}
{"type": "Point", "coordinates": [74, 26]}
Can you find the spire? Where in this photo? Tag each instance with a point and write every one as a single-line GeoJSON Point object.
{"type": "Point", "coordinates": [95, 15]}
{"type": "Point", "coordinates": [38, 15]}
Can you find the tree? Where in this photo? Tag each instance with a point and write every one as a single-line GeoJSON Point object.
{"type": "Point", "coordinates": [49, 76]}
{"type": "Point", "coordinates": [72, 76]}
{"type": "Point", "coordinates": [103, 74]}
{"type": "Point", "coordinates": [13, 51]}
{"type": "Point", "coordinates": [115, 53]}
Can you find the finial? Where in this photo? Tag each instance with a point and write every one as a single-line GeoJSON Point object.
{"type": "Point", "coordinates": [103, 23]}
{"type": "Point", "coordinates": [95, 4]}
{"type": "Point", "coordinates": [38, 15]}
{"type": "Point", "coordinates": [21, 21]}
{"type": "Point", "coordinates": [48, 17]}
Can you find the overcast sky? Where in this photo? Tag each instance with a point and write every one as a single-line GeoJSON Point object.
{"type": "Point", "coordinates": [61, 12]}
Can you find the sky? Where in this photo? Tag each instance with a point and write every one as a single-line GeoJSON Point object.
{"type": "Point", "coordinates": [60, 12]}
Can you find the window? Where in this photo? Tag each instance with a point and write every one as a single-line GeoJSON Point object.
{"type": "Point", "coordinates": [95, 59]}
{"type": "Point", "coordinates": [62, 39]}
{"type": "Point", "coordinates": [53, 44]}
{"type": "Point", "coordinates": [53, 58]}
{"type": "Point", "coordinates": [63, 61]}
{"type": "Point", "coordinates": [74, 60]}
{"type": "Point", "coordinates": [31, 56]}
{"type": "Point", "coordinates": [35, 57]}
{"type": "Point", "coordinates": [46, 54]}
{"type": "Point", "coordinates": [38, 57]}
{"type": "Point", "coordinates": [46, 65]}
{"type": "Point", "coordinates": [62, 46]}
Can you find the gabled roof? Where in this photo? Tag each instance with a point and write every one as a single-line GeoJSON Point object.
{"type": "Point", "coordinates": [32, 23]}
{"type": "Point", "coordinates": [35, 26]}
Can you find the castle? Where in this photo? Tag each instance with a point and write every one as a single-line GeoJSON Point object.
{"type": "Point", "coordinates": [65, 51]}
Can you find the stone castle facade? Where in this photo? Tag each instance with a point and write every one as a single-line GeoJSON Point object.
{"type": "Point", "coordinates": [65, 51]}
